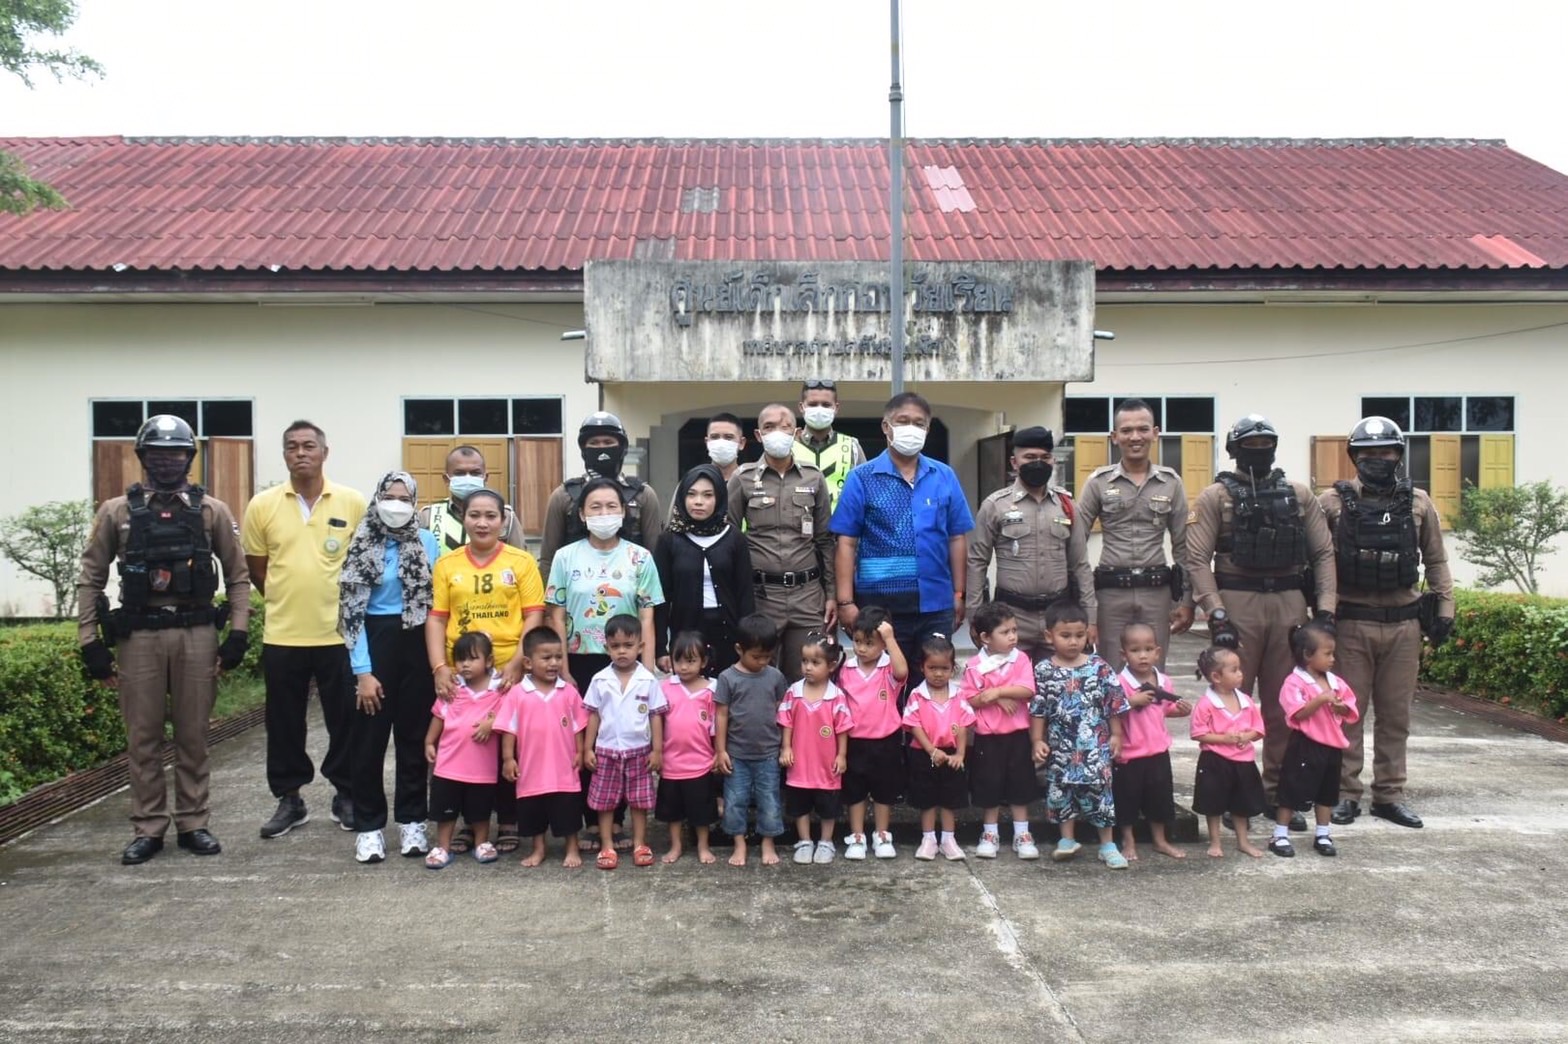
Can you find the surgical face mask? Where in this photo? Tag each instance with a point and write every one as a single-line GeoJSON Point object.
{"type": "Point", "coordinates": [1376, 472]}
{"type": "Point", "coordinates": [778, 444]}
{"type": "Point", "coordinates": [908, 439]}
{"type": "Point", "coordinates": [1255, 462]}
{"type": "Point", "coordinates": [604, 460]}
{"type": "Point", "coordinates": [605, 526]}
{"type": "Point", "coordinates": [1034, 473]}
{"type": "Point", "coordinates": [395, 514]}
{"type": "Point", "coordinates": [723, 451]}
{"type": "Point", "coordinates": [819, 418]}
{"type": "Point", "coordinates": [462, 485]}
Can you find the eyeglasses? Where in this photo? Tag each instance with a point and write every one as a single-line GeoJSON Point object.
{"type": "Point", "coordinates": [824, 383]}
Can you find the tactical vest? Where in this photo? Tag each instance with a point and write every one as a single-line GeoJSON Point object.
{"type": "Point", "coordinates": [1376, 549]}
{"type": "Point", "coordinates": [447, 526]}
{"type": "Point", "coordinates": [835, 462]}
{"type": "Point", "coordinates": [631, 529]}
{"type": "Point", "coordinates": [167, 554]}
{"type": "Point", "coordinates": [1267, 531]}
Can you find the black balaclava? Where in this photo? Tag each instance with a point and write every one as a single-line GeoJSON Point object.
{"type": "Point", "coordinates": [1255, 462]}
{"type": "Point", "coordinates": [1377, 473]}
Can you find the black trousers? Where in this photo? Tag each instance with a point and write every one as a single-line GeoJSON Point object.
{"type": "Point", "coordinates": [910, 630]}
{"type": "Point", "coordinates": [287, 671]}
{"type": "Point", "coordinates": [400, 663]}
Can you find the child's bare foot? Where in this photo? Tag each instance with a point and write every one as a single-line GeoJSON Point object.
{"type": "Point", "coordinates": [536, 856]}
{"type": "Point", "coordinates": [738, 857]}
{"type": "Point", "coordinates": [1130, 851]}
{"type": "Point", "coordinates": [574, 857]}
{"type": "Point", "coordinates": [1165, 848]}
{"type": "Point", "coordinates": [770, 854]}
{"type": "Point", "coordinates": [1248, 849]}
{"type": "Point", "coordinates": [1216, 852]}
{"type": "Point", "coordinates": [675, 850]}
{"type": "Point", "coordinates": [705, 854]}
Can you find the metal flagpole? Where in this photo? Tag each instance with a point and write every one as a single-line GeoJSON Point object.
{"type": "Point", "coordinates": [895, 164]}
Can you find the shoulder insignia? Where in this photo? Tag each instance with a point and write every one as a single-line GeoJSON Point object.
{"type": "Point", "coordinates": [1192, 516]}
{"type": "Point", "coordinates": [1103, 469]}
{"type": "Point", "coordinates": [999, 494]}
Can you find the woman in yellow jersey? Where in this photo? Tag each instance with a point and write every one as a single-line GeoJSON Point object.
{"type": "Point", "coordinates": [487, 586]}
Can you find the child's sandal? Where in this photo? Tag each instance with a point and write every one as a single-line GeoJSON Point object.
{"type": "Point", "coordinates": [642, 855]}
{"type": "Point", "coordinates": [437, 859]}
{"type": "Point", "coordinates": [608, 859]}
{"type": "Point", "coordinates": [463, 840]}
{"type": "Point", "coordinates": [508, 840]}
{"type": "Point", "coordinates": [486, 853]}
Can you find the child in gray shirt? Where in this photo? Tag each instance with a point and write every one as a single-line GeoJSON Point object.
{"type": "Point", "coordinates": [747, 737]}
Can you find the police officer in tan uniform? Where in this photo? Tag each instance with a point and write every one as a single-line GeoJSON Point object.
{"type": "Point", "coordinates": [1255, 542]}
{"type": "Point", "coordinates": [164, 536]}
{"type": "Point", "coordinates": [1137, 503]}
{"type": "Point", "coordinates": [1027, 527]}
{"type": "Point", "coordinates": [1386, 533]}
{"type": "Point", "coordinates": [784, 508]}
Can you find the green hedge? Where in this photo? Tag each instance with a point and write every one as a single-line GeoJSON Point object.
{"type": "Point", "coordinates": [53, 719]}
{"type": "Point", "coordinates": [1509, 648]}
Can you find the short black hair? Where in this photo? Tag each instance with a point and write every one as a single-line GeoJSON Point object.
{"type": "Point", "coordinates": [907, 398]}
{"type": "Point", "coordinates": [727, 418]}
{"type": "Point", "coordinates": [756, 632]}
{"type": "Point", "coordinates": [304, 425]}
{"type": "Point", "coordinates": [622, 625]}
{"type": "Point", "coordinates": [539, 636]}
{"type": "Point", "coordinates": [687, 644]}
{"type": "Point", "coordinates": [1306, 639]}
{"type": "Point", "coordinates": [480, 494]}
{"type": "Point", "coordinates": [871, 617]}
{"type": "Point", "coordinates": [597, 483]}
{"type": "Point", "coordinates": [990, 616]}
{"type": "Point", "coordinates": [1134, 406]}
{"type": "Point", "coordinates": [1065, 611]}
{"type": "Point", "coordinates": [466, 450]}
{"type": "Point", "coordinates": [1136, 626]}
{"type": "Point", "coordinates": [473, 645]}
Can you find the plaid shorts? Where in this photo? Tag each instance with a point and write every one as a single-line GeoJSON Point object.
{"type": "Point", "coordinates": [622, 775]}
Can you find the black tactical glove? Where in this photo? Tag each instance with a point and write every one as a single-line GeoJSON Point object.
{"type": "Point", "coordinates": [99, 660]}
{"type": "Point", "coordinates": [232, 652]}
{"type": "Point", "coordinates": [1324, 619]}
{"type": "Point", "coordinates": [1442, 627]}
{"type": "Point", "coordinates": [1222, 631]}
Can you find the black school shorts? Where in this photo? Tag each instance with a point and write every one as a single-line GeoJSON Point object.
{"type": "Point", "coordinates": [1223, 785]}
{"type": "Point", "coordinates": [803, 801]}
{"type": "Point", "coordinates": [875, 770]}
{"type": "Point", "coordinates": [1309, 773]}
{"type": "Point", "coordinates": [562, 812]}
{"type": "Point", "coordinates": [693, 801]}
{"type": "Point", "coordinates": [1143, 789]}
{"type": "Point", "coordinates": [450, 798]}
{"type": "Point", "coordinates": [933, 787]}
{"type": "Point", "coordinates": [1001, 770]}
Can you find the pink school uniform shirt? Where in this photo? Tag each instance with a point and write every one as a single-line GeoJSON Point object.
{"type": "Point", "coordinates": [941, 721]}
{"type": "Point", "coordinates": [873, 698]}
{"type": "Point", "coordinates": [1210, 715]}
{"type": "Point", "coordinates": [688, 730]}
{"type": "Point", "coordinates": [1323, 725]}
{"type": "Point", "coordinates": [984, 671]}
{"type": "Point", "coordinates": [1143, 729]}
{"type": "Point", "coordinates": [546, 723]}
{"type": "Point", "coordinates": [815, 739]}
{"type": "Point", "coordinates": [458, 757]}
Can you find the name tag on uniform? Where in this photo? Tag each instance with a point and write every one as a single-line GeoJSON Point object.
{"type": "Point", "coordinates": [1013, 516]}
{"type": "Point", "coordinates": [804, 489]}
{"type": "Point", "coordinates": [1062, 520]}
{"type": "Point", "coordinates": [1161, 500]}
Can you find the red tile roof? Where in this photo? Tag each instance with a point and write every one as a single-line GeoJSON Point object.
{"type": "Point", "coordinates": [438, 205]}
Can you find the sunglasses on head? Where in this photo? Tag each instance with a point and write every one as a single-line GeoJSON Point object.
{"type": "Point", "coordinates": [824, 383]}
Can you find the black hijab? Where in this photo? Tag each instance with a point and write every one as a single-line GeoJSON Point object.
{"type": "Point", "coordinates": [681, 522]}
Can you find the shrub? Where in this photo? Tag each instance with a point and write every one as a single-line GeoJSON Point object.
{"type": "Point", "coordinates": [1509, 648]}
{"type": "Point", "coordinates": [1507, 530]}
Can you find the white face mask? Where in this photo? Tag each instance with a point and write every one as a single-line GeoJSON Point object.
{"type": "Point", "coordinates": [462, 485]}
{"type": "Point", "coordinates": [605, 526]}
{"type": "Point", "coordinates": [395, 514]}
{"type": "Point", "coordinates": [723, 451]}
{"type": "Point", "coordinates": [908, 439]}
{"type": "Point", "coordinates": [819, 418]}
{"type": "Point", "coordinates": [778, 444]}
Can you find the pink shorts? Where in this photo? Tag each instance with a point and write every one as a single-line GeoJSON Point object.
{"type": "Point", "coordinates": [622, 775]}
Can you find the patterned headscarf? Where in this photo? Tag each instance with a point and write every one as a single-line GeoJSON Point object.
{"type": "Point", "coordinates": [365, 562]}
{"type": "Point", "coordinates": [681, 522]}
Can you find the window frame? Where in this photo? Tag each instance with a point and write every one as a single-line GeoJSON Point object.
{"type": "Point", "coordinates": [200, 423]}
{"type": "Point", "coordinates": [509, 402]}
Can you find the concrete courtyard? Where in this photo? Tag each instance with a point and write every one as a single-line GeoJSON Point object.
{"type": "Point", "coordinates": [1455, 932]}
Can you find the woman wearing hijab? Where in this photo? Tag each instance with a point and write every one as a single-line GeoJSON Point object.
{"type": "Point", "coordinates": [384, 597]}
{"type": "Point", "coordinates": [704, 568]}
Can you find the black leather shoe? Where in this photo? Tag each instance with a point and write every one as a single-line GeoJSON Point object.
{"type": "Point", "coordinates": [198, 842]}
{"type": "Point", "coordinates": [1298, 823]}
{"type": "Point", "coordinates": [140, 850]}
{"type": "Point", "coordinates": [1345, 812]}
{"type": "Point", "coordinates": [1324, 846]}
{"type": "Point", "coordinates": [1397, 814]}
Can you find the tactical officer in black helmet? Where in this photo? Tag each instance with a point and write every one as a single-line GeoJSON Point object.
{"type": "Point", "coordinates": [1386, 534]}
{"type": "Point", "coordinates": [603, 442]}
{"type": "Point", "coordinates": [1258, 549]}
{"type": "Point", "coordinates": [165, 633]}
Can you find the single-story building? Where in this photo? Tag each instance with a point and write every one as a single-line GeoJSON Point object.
{"type": "Point", "coordinates": [411, 294]}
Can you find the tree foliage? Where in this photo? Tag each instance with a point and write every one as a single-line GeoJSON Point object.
{"type": "Point", "coordinates": [1508, 530]}
{"type": "Point", "coordinates": [22, 22]}
{"type": "Point", "coordinates": [47, 541]}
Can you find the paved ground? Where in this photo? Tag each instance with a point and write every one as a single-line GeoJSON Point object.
{"type": "Point", "coordinates": [1455, 932]}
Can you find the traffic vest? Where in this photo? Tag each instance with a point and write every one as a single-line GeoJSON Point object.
{"type": "Point", "coordinates": [835, 462]}
{"type": "Point", "coordinates": [167, 553]}
{"type": "Point", "coordinates": [1267, 530]}
{"type": "Point", "coordinates": [1375, 549]}
{"type": "Point", "coordinates": [447, 526]}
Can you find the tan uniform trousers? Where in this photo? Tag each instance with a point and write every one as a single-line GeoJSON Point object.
{"type": "Point", "coordinates": [1120, 606]}
{"type": "Point", "coordinates": [170, 673]}
{"type": "Point", "coordinates": [1379, 661]}
{"type": "Point", "coordinates": [1264, 620]}
{"type": "Point", "coordinates": [1031, 634]}
{"type": "Point", "coordinates": [796, 612]}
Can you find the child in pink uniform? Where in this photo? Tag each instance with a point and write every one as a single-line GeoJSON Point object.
{"type": "Point", "coordinates": [999, 683]}
{"type": "Point", "coordinates": [1317, 703]}
{"type": "Point", "coordinates": [939, 720]}
{"type": "Point", "coordinates": [1227, 725]}
{"type": "Point", "coordinates": [461, 746]}
{"type": "Point", "coordinates": [1141, 781]}
{"type": "Point", "coordinates": [541, 725]}
{"type": "Point", "coordinates": [686, 791]}
{"type": "Point", "coordinates": [816, 721]}
{"type": "Point", "coordinates": [875, 770]}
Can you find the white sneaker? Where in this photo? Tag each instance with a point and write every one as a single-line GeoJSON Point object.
{"type": "Point", "coordinates": [855, 846]}
{"type": "Point", "coordinates": [412, 839]}
{"type": "Point", "coordinates": [370, 847]}
{"type": "Point", "coordinates": [950, 850]}
{"type": "Point", "coordinates": [1024, 847]}
{"type": "Point", "coordinates": [927, 849]}
{"type": "Point", "coordinates": [882, 846]}
{"type": "Point", "coordinates": [803, 851]}
{"type": "Point", "coordinates": [825, 852]}
{"type": "Point", "coordinates": [989, 845]}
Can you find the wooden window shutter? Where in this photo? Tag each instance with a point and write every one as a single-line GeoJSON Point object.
{"type": "Point", "coordinates": [115, 468]}
{"type": "Point", "coordinates": [1197, 465]}
{"type": "Point", "coordinates": [1497, 461]}
{"type": "Point", "coordinates": [231, 472]}
{"type": "Point", "coordinates": [536, 461]}
{"type": "Point", "coordinates": [1330, 461]}
{"type": "Point", "coordinates": [1445, 476]}
{"type": "Point", "coordinates": [1089, 452]}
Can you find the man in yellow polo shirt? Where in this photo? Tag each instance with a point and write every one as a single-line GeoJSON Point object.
{"type": "Point", "coordinates": [295, 536]}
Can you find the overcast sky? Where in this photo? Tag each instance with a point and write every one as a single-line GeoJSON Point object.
{"type": "Point", "coordinates": [812, 68]}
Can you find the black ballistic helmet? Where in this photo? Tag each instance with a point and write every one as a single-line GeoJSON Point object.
{"type": "Point", "coordinates": [1250, 426]}
{"type": "Point", "coordinates": [1375, 431]}
{"type": "Point", "coordinates": [165, 431]}
{"type": "Point", "coordinates": [601, 423]}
